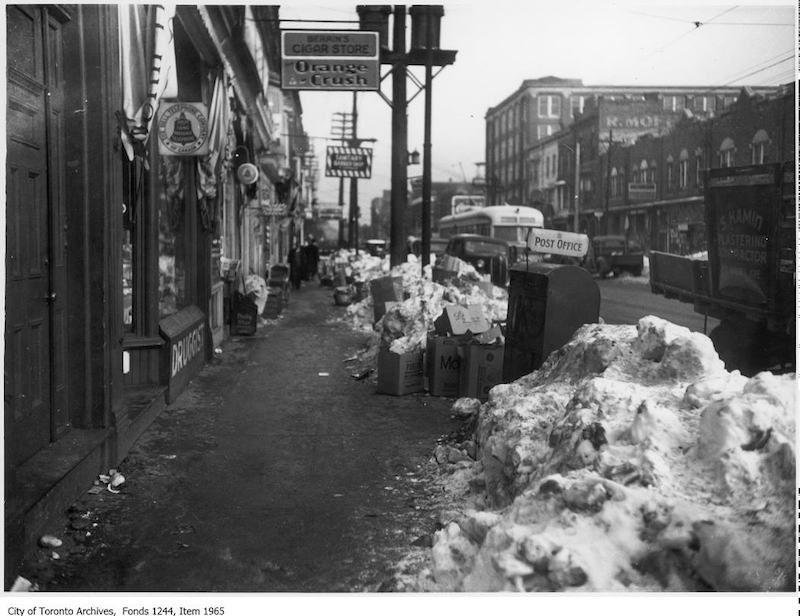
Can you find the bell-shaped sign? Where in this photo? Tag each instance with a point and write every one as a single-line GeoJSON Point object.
{"type": "Point", "coordinates": [247, 173]}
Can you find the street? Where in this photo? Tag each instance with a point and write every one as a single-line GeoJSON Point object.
{"type": "Point", "coordinates": [628, 299]}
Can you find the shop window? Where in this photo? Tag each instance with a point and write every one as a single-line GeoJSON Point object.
{"type": "Point", "coordinates": [134, 203]}
{"type": "Point", "coordinates": [171, 237]}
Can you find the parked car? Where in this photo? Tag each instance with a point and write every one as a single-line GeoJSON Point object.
{"type": "Point", "coordinates": [488, 255]}
{"type": "Point", "coordinates": [377, 248]}
{"type": "Point", "coordinates": [438, 246]}
{"type": "Point", "coordinates": [615, 254]}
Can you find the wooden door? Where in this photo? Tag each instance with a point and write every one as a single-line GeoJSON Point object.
{"type": "Point", "coordinates": [35, 219]}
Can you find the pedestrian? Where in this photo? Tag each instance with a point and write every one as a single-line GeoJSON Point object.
{"type": "Point", "coordinates": [312, 258]}
{"type": "Point", "coordinates": [296, 265]}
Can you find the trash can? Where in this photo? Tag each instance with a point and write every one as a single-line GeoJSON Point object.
{"type": "Point", "coordinates": [547, 303]}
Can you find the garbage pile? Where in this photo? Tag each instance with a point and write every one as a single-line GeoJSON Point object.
{"type": "Point", "coordinates": [442, 337]}
{"type": "Point", "coordinates": [415, 301]}
{"type": "Point", "coordinates": [630, 461]}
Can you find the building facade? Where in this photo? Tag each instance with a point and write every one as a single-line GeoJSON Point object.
{"type": "Point", "coordinates": [127, 220]}
{"type": "Point", "coordinates": [542, 107]}
{"type": "Point", "coordinates": [656, 184]}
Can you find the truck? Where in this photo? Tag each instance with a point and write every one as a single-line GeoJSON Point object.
{"type": "Point", "coordinates": [747, 280]}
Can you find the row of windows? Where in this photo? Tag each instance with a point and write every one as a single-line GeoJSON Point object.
{"type": "Point", "coordinates": [549, 106]}
{"type": "Point", "coordinates": [677, 175]}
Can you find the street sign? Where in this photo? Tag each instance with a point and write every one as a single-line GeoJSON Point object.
{"type": "Point", "coordinates": [345, 162]}
{"type": "Point", "coordinates": [330, 60]}
{"type": "Point", "coordinates": [550, 241]}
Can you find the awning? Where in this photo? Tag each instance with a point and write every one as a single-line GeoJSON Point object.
{"type": "Point", "coordinates": [148, 69]}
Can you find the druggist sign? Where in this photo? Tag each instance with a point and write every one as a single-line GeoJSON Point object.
{"type": "Point", "coordinates": [548, 241]}
{"type": "Point", "coordinates": [329, 60]}
{"type": "Point", "coordinates": [184, 353]}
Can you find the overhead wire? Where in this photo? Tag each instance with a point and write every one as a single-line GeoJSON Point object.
{"type": "Point", "coordinates": [697, 25]}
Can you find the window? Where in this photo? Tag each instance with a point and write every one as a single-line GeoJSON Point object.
{"type": "Point", "coordinates": [670, 173]}
{"type": "Point", "coordinates": [727, 153]}
{"type": "Point", "coordinates": [133, 184]}
{"type": "Point", "coordinates": [674, 103]}
{"type": "Point", "coordinates": [699, 168]}
{"type": "Point", "coordinates": [640, 175]}
{"type": "Point", "coordinates": [759, 147]}
{"type": "Point", "coordinates": [650, 176]}
{"type": "Point", "coordinates": [549, 106]}
{"type": "Point", "coordinates": [547, 167]}
{"type": "Point", "coordinates": [544, 130]}
{"type": "Point", "coordinates": [704, 104]}
{"type": "Point", "coordinates": [683, 169]}
{"type": "Point", "coordinates": [614, 182]}
{"type": "Point", "coordinates": [577, 103]}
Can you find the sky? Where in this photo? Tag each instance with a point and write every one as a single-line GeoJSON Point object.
{"type": "Point", "coordinates": [502, 43]}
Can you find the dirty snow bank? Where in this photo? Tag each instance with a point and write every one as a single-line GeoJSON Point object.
{"type": "Point", "coordinates": [630, 461]}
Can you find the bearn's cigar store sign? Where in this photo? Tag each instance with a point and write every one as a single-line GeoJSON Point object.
{"type": "Point", "coordinates": [184, 353]}
{"type": "Point", "coordinates": [182, 129]}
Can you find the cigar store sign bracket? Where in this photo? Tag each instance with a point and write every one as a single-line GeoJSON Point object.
{"type": "Point", "coordinates": [329, 60]}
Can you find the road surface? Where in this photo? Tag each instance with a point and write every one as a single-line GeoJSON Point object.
{"type": "Point", "coordinates": [627, 299]}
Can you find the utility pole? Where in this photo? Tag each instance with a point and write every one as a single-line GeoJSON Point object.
{"type": "Point", "coordinates": [399, 193]}
{"type": "Point", "coordinates": [352, 237]}
{"type": "Point", "coordinates": [426, 149]}
{"type": "Point", "coordinates": [577, 182]}
{"type": "Point", "coordinates": [342, 128]}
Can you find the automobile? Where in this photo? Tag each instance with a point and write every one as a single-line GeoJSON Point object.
{"type": "Point", "coordinates": [613, 254]}
{"type": "Point", "coordinates": [375, 247]}
{"type": "Point", "coordinates": [438, 247]}
{"type": "Point", "coordinates": [488, 255]}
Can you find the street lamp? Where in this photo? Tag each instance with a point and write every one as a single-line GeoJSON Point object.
{"type": "Point", "coordinates": [413, 158]}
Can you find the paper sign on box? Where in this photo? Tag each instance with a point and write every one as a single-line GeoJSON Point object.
{"type": "Point", "coordinates": [458, 320]}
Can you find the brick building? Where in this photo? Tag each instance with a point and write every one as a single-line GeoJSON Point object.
{"type": "Point", "coordinates": [542, 107]}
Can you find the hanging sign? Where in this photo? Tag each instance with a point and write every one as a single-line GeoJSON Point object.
{"type": "Point", "coordinates": [247, 173]}
{"type": "Point", "coordinates": [344, 162]}
{"type": "Point", "coordinates": [182, 129]}
{"type": "Point", "coordinates": [275, 209]}
{"type": "Point", "coordinates": [330, 60]}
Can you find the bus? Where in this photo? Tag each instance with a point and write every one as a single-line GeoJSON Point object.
{"type": "Point", "coordinates": [506, 222]}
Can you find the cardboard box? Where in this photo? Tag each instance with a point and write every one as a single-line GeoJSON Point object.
{"type": "Point", "coordinates": [458, 320]}
{"type": "Point", "coordinates": [490, 335]}
{"type": "Point", "coordinates": [385, 289]}
{"type": "Point", "coordinates": [481, 369]}
{"type": "Point", "coordinates": [400, 374]}
{"type": "Point", "coordinates": [443, 365]}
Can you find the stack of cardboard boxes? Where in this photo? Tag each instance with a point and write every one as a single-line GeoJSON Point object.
{"type": "Point", "coordinates": [463, 358]}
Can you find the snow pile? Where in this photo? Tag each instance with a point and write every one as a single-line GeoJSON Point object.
{"type": "Point", "coordinates": [630, 461]}
{"type": "Point", "coordinates": [405, 326]}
